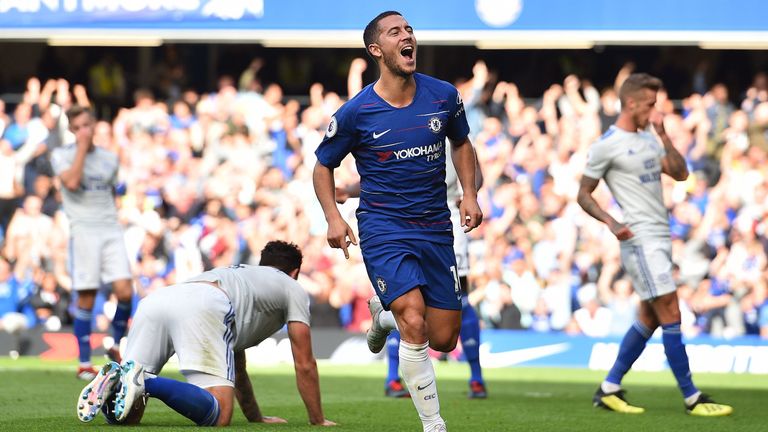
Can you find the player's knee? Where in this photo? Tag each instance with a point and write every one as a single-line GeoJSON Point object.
{"type": "Point", "coordinates": [225, 396]}
{"type": "Point", "coordinates": [412, 324]}
{"type": "Point", "coordinates": [123, 290]}
{"type": "Point", "coordinates": [86, 299]}
{"type": "Point", "coordinates": [447, 345]}
{"type": "Point", "coordinates": [444, 340]}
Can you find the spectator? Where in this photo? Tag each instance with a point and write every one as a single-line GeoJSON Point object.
{"type": "Point", "coordinates": [591, 318]}
{"type": "Point", "coordinates": [16, 313]}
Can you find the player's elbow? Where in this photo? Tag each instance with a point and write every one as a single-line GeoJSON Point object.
{"type": "Point", "coordinates": [582, 198]}
{"type": "Point", "coordinates": [682, 175]}
{"type": "Point", "coordinates": [305, 367]}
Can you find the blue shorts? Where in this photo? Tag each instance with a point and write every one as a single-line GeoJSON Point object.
{"type": "Point", "coordinates": [398, 266]}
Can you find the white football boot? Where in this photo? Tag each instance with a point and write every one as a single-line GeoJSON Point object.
{"type": "Point", "coordinates": [93, 395]}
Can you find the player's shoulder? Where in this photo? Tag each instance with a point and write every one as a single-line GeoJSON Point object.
{"type": "Point", "coordinates": [435, 85]}
{"type": "Point", "coordinates": [365, 97]}
{"type": "Point", "coordinates": [612, 135]}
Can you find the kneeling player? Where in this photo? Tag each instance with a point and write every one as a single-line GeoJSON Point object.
{"type": "Point", "coordinates": [208, 321]}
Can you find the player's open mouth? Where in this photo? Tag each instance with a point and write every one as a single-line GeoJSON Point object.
{"type": "Point", "coordinates": [407, 52]}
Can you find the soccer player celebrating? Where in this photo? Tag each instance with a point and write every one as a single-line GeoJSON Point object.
{"type": "Point", "coordinates": [396, 129]}
{"type": "Point", "coordinates": [88, 175]}
{"type": "Point", "coordinates": [470, 325]}
{"type": "Point", "coordinates": [631, 161]}
{"type": "Point", "coordinates": [209, 321]}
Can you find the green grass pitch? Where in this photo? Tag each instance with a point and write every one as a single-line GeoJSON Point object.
{"type": "Point", "coordinates": [40, 396]}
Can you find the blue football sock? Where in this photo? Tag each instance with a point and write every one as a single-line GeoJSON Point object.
{"type": "Point", "coordinates": [82, 330]}
{"type": "Point", "coordinates": [630, 349]}
{"type": "Point", "coordinates": [470, 339]}
{"type": "Point", "coordinates": [678, 358]}
{"type": "Point", "coordinates": [120, 321]}
{"type": "Point", "coordinates": [186, 399]}
{"type": "Point", "coordinates": [393, 356]}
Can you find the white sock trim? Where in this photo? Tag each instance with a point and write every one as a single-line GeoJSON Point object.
{"type": "Point", "coordinates": [609, 387]}
{"type": "Point", "coordinates": [692, 398]}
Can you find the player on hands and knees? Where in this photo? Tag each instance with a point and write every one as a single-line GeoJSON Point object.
{"type": "Point", "coordinates": [396, 129]}
{"type": "Point", "coordinates": [209, 321]}
{"type": "Point", "coordinates": [88, 176]}
{"type": "Point", "coordinates": [631, 161]}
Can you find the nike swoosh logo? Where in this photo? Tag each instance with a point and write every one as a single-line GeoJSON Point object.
{"type": "Point", "coordinates": [136, 380]}
{"type": "Point", "coordinates": [514, 357]}
{"type": "Point", "coordinates": [422, 388]}
{"type": "Point", "coordinates": [377, 135]}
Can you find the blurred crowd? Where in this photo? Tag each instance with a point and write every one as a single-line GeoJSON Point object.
{"type": "Point", "coordinates": [208, 178]}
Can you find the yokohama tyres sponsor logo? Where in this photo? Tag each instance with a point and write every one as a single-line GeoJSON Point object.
{"type": "Point", "coordinates": [427, 150]}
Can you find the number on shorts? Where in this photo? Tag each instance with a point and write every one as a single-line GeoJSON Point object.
{"type": "Point", "coordinates": [456, 285]}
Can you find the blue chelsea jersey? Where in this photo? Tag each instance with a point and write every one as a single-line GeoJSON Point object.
{"type": "Point", "coordinates": [400, 155]}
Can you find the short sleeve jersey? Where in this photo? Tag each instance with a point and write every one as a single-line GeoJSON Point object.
{"type": "Point", "coordinates": [92, 205]}
{"type": "Point", "coordinates": [400, 155]}
{"type": "Point", "coordinates": [264, 299]}
{"type": "Point", "coordinates": [630, 163]}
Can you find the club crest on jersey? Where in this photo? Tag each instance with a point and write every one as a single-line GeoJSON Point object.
{"type": "Point", "coordinates": [381, 284]}
{"type": "Point", "coordinates": [333, 127]}
{"type": "Point", "coordinates": [435, 124]}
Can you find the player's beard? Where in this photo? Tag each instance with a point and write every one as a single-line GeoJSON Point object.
{"type": "Point", "coordinates": [391, 63]}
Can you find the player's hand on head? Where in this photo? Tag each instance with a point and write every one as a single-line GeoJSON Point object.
{"type": "Point", "coordinates": [657, 120]}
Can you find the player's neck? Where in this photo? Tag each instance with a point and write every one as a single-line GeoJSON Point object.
{"type": "Point", "coordinates": [626, 124]}
{"type": "Point", "coordinates": [396, 90]}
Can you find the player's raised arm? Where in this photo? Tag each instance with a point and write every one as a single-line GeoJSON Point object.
{"type": "Point", "coordinates": [673, 163]}
{"type": "Point", "coordinates": [465, 161]}
{"type": "Point", "coordinates": [245, 396]}
{"type": "Point", "coordinates": [340, 234]}
{"type": "Point", "coordinates": [590, 205]}
{"type": "Point", "coordinates": [307, 379]}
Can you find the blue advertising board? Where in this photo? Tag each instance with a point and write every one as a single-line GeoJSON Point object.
{"type": "Point", "coordinates": [506, 348]}
{"type": "Point", "coordinates": [440, 19]}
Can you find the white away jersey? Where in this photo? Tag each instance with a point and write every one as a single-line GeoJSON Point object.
{"type": "Point", "coordinates": [630, 163]}
{"type": "Point", "coordinates": [263, 298]}
{"type": "Point", "coordinates": [92, 205]}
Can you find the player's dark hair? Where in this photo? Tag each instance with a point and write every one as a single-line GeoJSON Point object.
{"type": "Point", "coordinates": [75, 110]}
{"type": "Point", "coordinates": [637, 82]}
{"type": "Point", "coordinates": [282, 256]}
{"type": "Point", "coordinates": [371, 32]}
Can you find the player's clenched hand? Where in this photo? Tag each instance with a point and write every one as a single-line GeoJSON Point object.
{"type": "Point", "coordinates": [471, 215]}
{"type": "Point", "coordinates": [621, 231]}
{"type": "Point", "coordinates": [340, 235]}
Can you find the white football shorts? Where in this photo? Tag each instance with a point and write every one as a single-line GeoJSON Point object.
{"type": "Point", "coordinates": [648, 262]}
{"type": "Point", "coordinates": [460, 243]}
{"type": "Point", "coordinates": [97, 256]}
{"type": "Point", "coordinates": [194, 320]}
